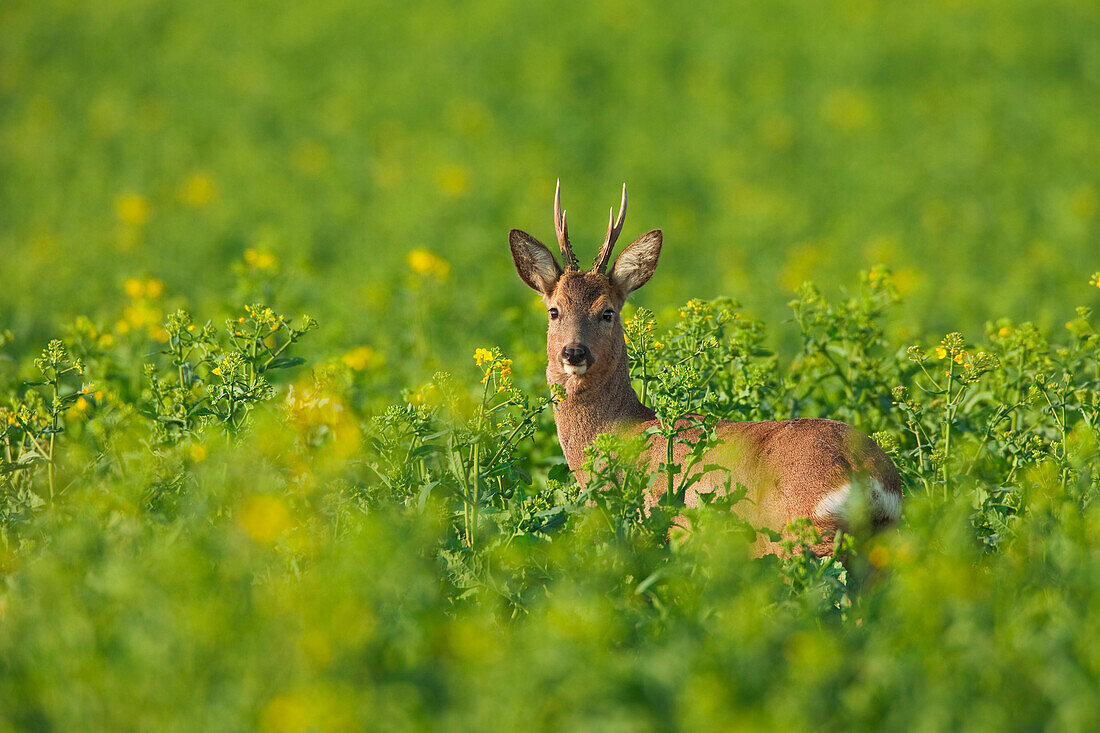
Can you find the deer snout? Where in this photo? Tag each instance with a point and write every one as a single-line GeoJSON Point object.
{"type": "Point", "coordinates": [575, 358]}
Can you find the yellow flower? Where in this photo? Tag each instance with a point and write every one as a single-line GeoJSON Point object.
{"type": "Point", "coordinates": [423, 262]}
{"type": "Point", "coordinates": [483, 356]}
{"type": "Point", "coordinates": [941, 352]}
{"type": "Point", "coordinates": [216, 370]}
{"type": "Point", "coordinates": [196, 190]}
{"type": "Point", "coordinates": [132, 209]}
{"type": "Point", "coordinates": [260, 259]}
{"type": "Point", "coordinates": [1003, 331]}
{"type": "Point", "coordinates": [959, 357]}
{"type": "Point", "coordinates": [198, 452]}
{"type": "Point", "coordinates": [879, 556]}
{"type": "Point", "coordinates": [141, 314]}
{"type": "Point", "coordinates": [151, 288]}
{"type": "Point", "coordinates": [263, 517]}
{"type": "Point", "coordinates": [81, 404]}
{"type": "Point", "coordinates": [358, 358]}
{"type": "Point", "coordinates": [134, 288]}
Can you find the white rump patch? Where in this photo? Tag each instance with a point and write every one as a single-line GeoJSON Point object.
{"type": "Point", "coordinates": [835, 503]}
{"type": "Point", "coordinates": [840, 504]}
{"type": "Point", "coordinates": [885, 504]}
{"type": "Point", "coordinates": [574, 368]}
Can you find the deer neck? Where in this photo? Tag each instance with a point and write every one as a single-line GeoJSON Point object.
{"type": "Point", "coordinates": [592, 408]}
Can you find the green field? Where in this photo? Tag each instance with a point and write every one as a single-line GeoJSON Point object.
{"type": "Point", "coordinates": [220, 513]}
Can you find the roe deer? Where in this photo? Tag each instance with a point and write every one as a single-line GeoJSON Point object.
{"type": "Point", "coordinates": [805, 467]}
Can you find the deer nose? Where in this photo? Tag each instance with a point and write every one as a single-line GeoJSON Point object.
{"type": "Point", "coordinates": [575, 354]}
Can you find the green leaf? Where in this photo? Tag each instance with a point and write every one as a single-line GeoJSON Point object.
{"type": "Point", "coordinates": [426, 449]}
{"type": "Point", "coordinates": [553, 518]}
{"type": "Point", "coordinates": [425, 492]}
{"type": "Point", "coordinates": [560, 473]}
{"type": "Point", "coordinates": [284, 362]}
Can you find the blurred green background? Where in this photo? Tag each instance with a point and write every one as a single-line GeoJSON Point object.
{"type": "Point", "coordinates": [955, 142]}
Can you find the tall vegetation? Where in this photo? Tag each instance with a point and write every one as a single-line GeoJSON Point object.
{"type": "Point", "coordinates": [208, 518]}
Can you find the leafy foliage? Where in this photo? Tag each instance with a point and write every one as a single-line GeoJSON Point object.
{"type": "Point", "coordinates": [406, 561]}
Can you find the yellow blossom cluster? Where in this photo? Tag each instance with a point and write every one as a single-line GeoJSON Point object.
{"type": "Point", "coordinates": [958, 358]}
{"type": "Point", "coordinates": [423, 262]}
{"type": "Point", "coordinates": [151, 288]}
{"type": "Point", "coordinates": [695, 307]}
{"type": "Point", "coordinates": [952, 346]}
{"type": "Point", "coordinates": [260, 259]}
{"type": "Point", "coordinates": [483, 356]}
{"type": "Point", "coordinates": [143, 313]}
{"type": "Point", "coordinates": [264, 518]}
{"type": "Point", "coordinates": [360, 358]}
{"type": "Point", "coordinates": [91, 332]}
{"type": "Point", "coordinates": [132, 209]}
{"type": "Point", "coordinates": [196, 190]}
{"type": "Point", "coordinates": [263, 316]}
{"type": "Point", "coordinates": [492, 361]}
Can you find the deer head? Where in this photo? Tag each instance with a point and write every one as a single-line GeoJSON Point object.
{"type": "Point", "coordinates": [584, 341]}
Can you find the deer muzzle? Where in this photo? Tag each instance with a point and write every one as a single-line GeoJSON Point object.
{"type": "Point", "coordinates": [576, 358]}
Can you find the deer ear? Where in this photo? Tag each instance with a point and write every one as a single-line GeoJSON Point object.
{"type": "Point", "coordinates": [636, 263]}
{"type": "Point", "coordinates": [534, 263]}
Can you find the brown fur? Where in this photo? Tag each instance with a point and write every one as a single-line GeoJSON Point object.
{"type": "Point", "coordinates": [788, 466]}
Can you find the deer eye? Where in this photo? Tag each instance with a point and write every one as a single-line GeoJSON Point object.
{"type": "Point", "coordinates": [553, 314]}
{"type": "Point", "coordinates": [609, 315]}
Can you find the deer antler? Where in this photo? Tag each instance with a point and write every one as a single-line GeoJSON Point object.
{"type": "Point", "coordinates": [562, 230]}
{"type": "Point", "coordinates": [614, 228]}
